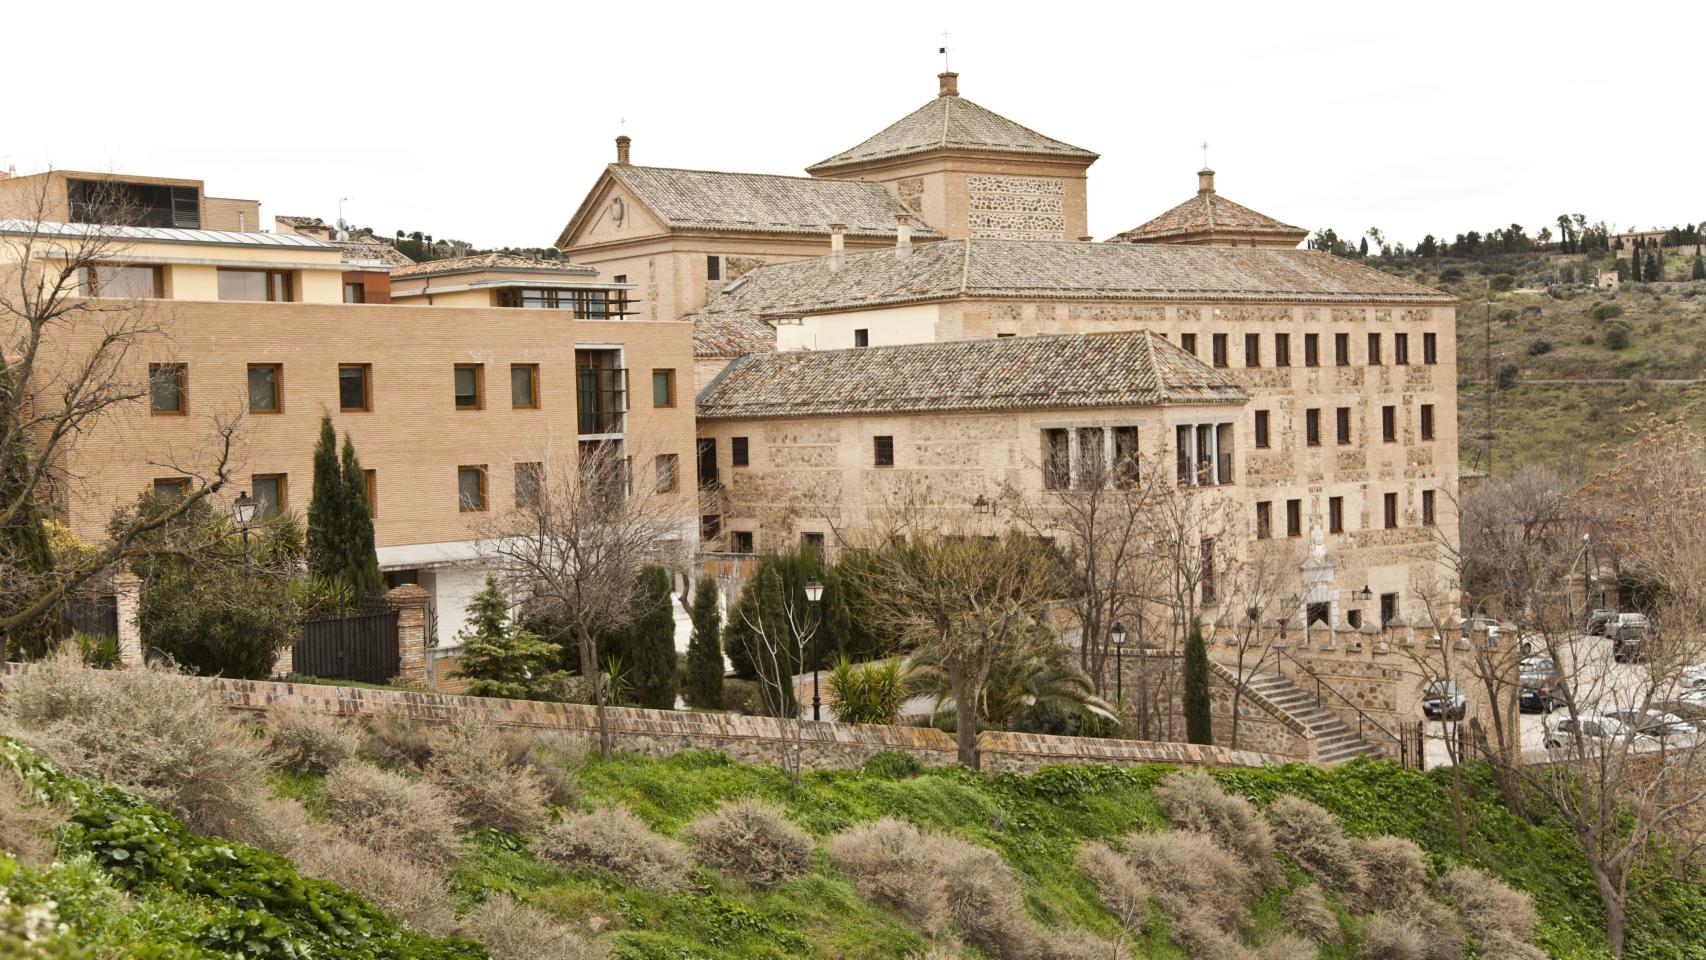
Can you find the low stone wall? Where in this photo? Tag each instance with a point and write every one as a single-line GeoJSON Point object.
{"type": "Point", "coordinates": [1027, 752]}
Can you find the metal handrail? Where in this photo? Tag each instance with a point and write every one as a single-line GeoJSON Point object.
{"type": "Point", "coordinates": [1361, 716]}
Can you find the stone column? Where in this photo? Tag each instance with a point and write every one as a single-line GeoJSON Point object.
{"type": "Point", "coordinates": [414, 657]}
{"type": "Point", "coordinates": [127, 590]}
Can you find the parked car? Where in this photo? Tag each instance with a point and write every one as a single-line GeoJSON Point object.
{"type": "Point", "coordinates": [1655, 724]}
{"type": "Point", "coordinates": [1688, 707]}
{"type": "Point", "coordinates": [1630, 634]}
{"type": "Point", "coordinates": [1539, 699]}
{"type": "Point", "coordinates": [1537, 680]}
{"type": "Point", "coordinates": [1443, 700]}
{"type": "Point", "coordinates": [1597, 621]}
{"type": "Point", "coordinates": [1591, 731]}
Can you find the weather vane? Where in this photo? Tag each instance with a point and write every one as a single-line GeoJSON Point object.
{"type": "Point", "coordinates": [943, 50]}
{"type": "Point", "coordinates": [1205, 154]}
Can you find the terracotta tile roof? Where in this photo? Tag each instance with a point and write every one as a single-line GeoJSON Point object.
{"type": "Point", "coordinates": [493, 261]}
{"type": "Point", "coordinates": [1208, 213]}
{"type": "Point", "coordinates": [733, 321]}
{"type": "Point", "coordinates": [1131, 368]}
{"type": "Point", "coordinates": [951, 122]}
{"type": "Point", "coordinates": [299, 221]}
{"type": "Point", "coordinates": [368, 248]}
{"type": "Point", "coordinates": [764, 203]}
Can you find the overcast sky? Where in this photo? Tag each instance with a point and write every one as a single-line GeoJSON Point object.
{"type": "Point", "coordinates": [490, 123]}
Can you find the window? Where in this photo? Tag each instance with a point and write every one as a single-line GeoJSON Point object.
{"type": "Point", "coordinates": [122, 283]}
{"type": "Point", "coordinates": [135, 204]}
{"type": "Point", "coordinates": [354, 292]}
{"type": "Point", "coordinates": [1427, 421]}
{"type": "Point", "coordinates": [663, 388]}
{"type": "Point", "coordinates": [1391, 500]}
{"type": "Point", "coordinates": [708, 463]}
{"type": "Point", "coordinates": [812, 541]}
{"type": "Point", "coordinates": [1003, 336]}
{"type": "Point", "coordinates": [265, 379]}
{"type": "Point", "coordinates": [1294, 518]}
{"type": "Point", "coordinates": [1092, 457]}
{"type": "Point", "coordinates": [1252, 349]}
{"type": "Point", "coordinates": [668, 466]}
{"type": "Point", "coordinates": [524, 386]}
{"type": "Point", "coordinates": [1188, 343]}
{"type": "Point", "coordinates": [266, 285]}
{"type": "Point", "coordinates": [1374, 350]}
{"type": "Point", "coordinates": [710, 527]}
{"type": "Point", "coordinates": [737, 451]}
{"type": "Point", "coordinates": [1057, 459]}
{"type": "Point", "coordinates": [1219, 348]}
{"type": "Point", "coordinates": [1312, 427]}
{"type": "Point", "coordinates": [168, 389]}
{"type": "Point", "coordinates": [740, 541]}
{"type": "Point", "coordinates": [883, 450]}
{"type": "Point", "coordinates": [1400, 348]}
{"type": "Point", "coordinates": [1335, 514]}
{"type": "Point", "coordinates": [713, 268]}
{"type": "Point", "coordinates": [1125, 456]}
{"type": "Point", "coordinates": [601, 391]}
{"type": "Point", "coordinates": [1430, 348]}
{"type": "Point", "coordinates": [1388, 608]}
{"type": "Point", "coordinates": [470, 386]}
{"type": "Point", "coordinates": [1182, 451]}
{"type": "Point", "coordinates": [1354, 619]}
{"type": "Point", "coordinates": [171, 487]}
{"type": "Point", "coordinates": [1262, 428]}
{"type": "Point", "coordinates": [269, 491]}
{"type": "Point", "coordinates": [372, 478]}
{"type": "Point", "coordinates": [585, 304]}
{"type": "Point", "coordinates": [529, 481]}
{"type": "Point", "coordinates": [355, 387]}
{"type": "Point", "coordinates": [1389, 424]}
{"type": "Point", "coordinates": [1282, 349]}
{"type": "Point", "coordinates": [1208, 571]}
{"type": "Point", "coordinates": [1342, 349]}
{"type": "Point", "coordinates": [861, 338]}
{"type": "Point", "coordinates": [1343, 416]}
{"type": "Point", "coordinates": [621, 297]}
{"type": "Point", "coordinates": [471, 488]}
{"type": "Point", "coordinates": [1312, 350]}
{"type": "Point", "coordinates": [1264, 519]}
{"type": "Point", "coordinates": [1428, 507]}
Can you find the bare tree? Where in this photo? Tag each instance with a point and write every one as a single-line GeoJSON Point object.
{"type": "Point", "coordinates": [1254, 589]}
{"type": "Point", "coordinates": [782, 631]}
{"type": "Point", "coordinates": [575, 544]}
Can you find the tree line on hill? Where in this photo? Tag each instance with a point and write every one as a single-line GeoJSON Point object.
{"type": "Point", "coordinates": [1574, 235]}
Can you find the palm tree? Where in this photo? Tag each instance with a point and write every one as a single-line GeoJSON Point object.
{"type": "Point", "coordinates": [1038, 672]}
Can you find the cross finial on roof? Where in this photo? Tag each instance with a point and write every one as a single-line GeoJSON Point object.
{"type": "Point", "coordinates": [944, 52]}
{"type": "Point", "coordinates": [1205, 154]}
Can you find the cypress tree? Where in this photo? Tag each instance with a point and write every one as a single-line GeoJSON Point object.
{"type": "Point", "coordinates": [1699, 271]}
{"type": "Point", "coordinates": [499, 658]}
{"type": "Point", "coordinates": [360, 567]}
{"type": "Point", "coordinates": [651, 642]}
{"type": "Point", "coordinates": [326, 551]}
{"type": "Point", "coordinates": [705, 650]}
{"type": "Point", "coordinates": [1654, 269]}
{"type": "Point", "coordinates": [1199, 726]}
{"type": "Point", "coordinates": [23, 539]}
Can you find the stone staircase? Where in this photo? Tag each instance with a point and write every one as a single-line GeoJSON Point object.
{"type": "Point", "coordinates": [1335, 741]}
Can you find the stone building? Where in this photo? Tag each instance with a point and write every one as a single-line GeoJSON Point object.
{"type": "Point", "coordinates": [1209, 218]}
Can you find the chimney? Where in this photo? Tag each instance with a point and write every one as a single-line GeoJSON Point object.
{"type": "Point", "coordinates": [1205, 180]}
{"type": "Point", "coordinates": [1086, 239]}
{"type": "Point", "coordinates": [622, 150]}
{"type": "Point", "coordinates": [902, 234]}
{"type": "Point", "coordinates": [950, 84]}
{"type": "Point", "coordinates": [837, 246]}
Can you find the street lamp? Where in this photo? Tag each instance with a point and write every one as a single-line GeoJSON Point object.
{"type": "Point", "coordinates": [1117, 635]}
{"type": "Point", "coordinates": [814, 593]}
{"type": "Point", "coordinates": [981, 505]}
{"type": "Point", "coordinates": [243, 510]}
{"type": "Point", "coordinates": [1365, 594]}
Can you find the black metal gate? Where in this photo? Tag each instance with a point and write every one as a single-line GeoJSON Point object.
{"type": "Point", "coordinates": [95, 615]}
{"type": "Point", "coordinates": [362, 647]}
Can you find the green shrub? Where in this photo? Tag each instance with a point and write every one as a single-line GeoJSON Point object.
{"type": "Point", "coordinates": [874, 693]}
{"type": "Point", "coordinates": [1507, 316]}
{"type": "Point", "coordinates": [893, 765]}
{"type": "Point", "coordinates": [751, 841]}
{"type": "Point", "coordinates": [1506, 377]}
{"type": "Point", "coordinates": [1616, 335]}
{"type": "Point", "coordinates": [1501, 281]}
{"type": "Point", "coordinates": [1606, 310]}
{"type": "Point", "coordinates": [1451, 275]}
{"type": "Point", "coordinates": [500, 658]}
{"type": "Point", "coordinates": [615, 840]}
{"type": "Point", "coordinates": [1539, 347]}
{"type": "Point", "coordinates": [99, 650]}
{"type": "Point", "coordinates": [743, 697]}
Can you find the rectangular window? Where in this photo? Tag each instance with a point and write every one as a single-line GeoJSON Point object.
{"type": "Point", "coordinates": [1391, 502]}
{"type": "Point", "coordinates": [668, 466]}
{"type": "Point", "coordinates": [1188, 343]}
{"type": "Point", "coordinates": [737, 451]}
{"type": "Point", "coordinates": [1335, 514]}
{"type": "Point", "coordinates": [1344, 423]}
{"type": "Point", "coordinates": [663, 388]}
{"type": "Point", "coordinates": [1400, 348]}
{"type": "Point", "coordinates": [713, 268]}
{"type": "Point", "coordinates": [265, 381]}
{"type": "Point", "coordinates": [170, 487]}
{"type": "Point", "coordinates": [471, 488]}
{"type": "Point", "coordinates": [585, 304]}
{"type": "Point", "coordinates": [354, 293]}
{"type": "Point", "coordinates": [1282, 349]}
{"type": "Point", "coordinates": [1264, 519]}
{"type": "Point", "coordinates": [882, 451]}
{"type": "Point", "coordinates": [1312, 427]}
{"type": "Point", "coordinates": [1428, 507]}
{"type": "Point", "coordinates": [168, 389]}
{"type": "Point", "coordinates": [740, 541]}
{"type": "Point", "coordinates": [1057, 459]}
{"type": "Point", "coordinates": [1374, 349]}
{"type": "Point", "coordinates": [1430, 348]}
{"type": "Point", "coordinates": [1219, 347]}
{"type": "Point", "coordinates": [122, 283]}
{"type": "Point", "coordinates": [708, 478]}
{"type": "Point", "coordinates": [1252, 349]}
{"type": "Point", "coordinates": [1354, 619]}
{"type": "Point", "coordinates": [1312, 350]}
{"type": "Point", "coordinates": [269, 491]}
{"type": "Point", "coordinates": [372, 477]}
{"type": "Point", "coordinates": [1389, 424]}
{"type": "Point", "coordinates": [1092, 457]}
{"type": "Point", "coordinates": [1427, 421]}
{"type": "Point", "coordinates": [470, 386]}
{"type": "Point", "coordinates": [529, 481]}
{"type": "Point", "coordinates": [812, 541]}
{"type": "Point", "coordinates": [861, 338]}
{"type": "Point", "coordinates": [271, 286]}
{"type": "Point", "coordinates": [1294, 518]}
{"type": "Point", "coordinates": [524, 386]}
{"type": "Point", "coordinates": [1125, 456]}
{"type": "Point", "coordinates": [710, 527]}
{"type": "Point", "coordinates": [355, 387]}
{"type": "Point", "coordinates": [1262, 429]}
{"type": "Point", "coordinates": [1182, 451]}
{"type": "Point", "coordinates": [1388, 608]}
{"type": "Point", "coordinates": [1342, 349]}
{"type": "Point", "coordinates": [1208, 591]}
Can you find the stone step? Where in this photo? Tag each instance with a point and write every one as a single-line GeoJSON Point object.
{"type": "Point", "coordinates": [1335, 741]}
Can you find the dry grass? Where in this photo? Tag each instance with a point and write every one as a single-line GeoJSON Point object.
{"type": "Point", "coordinates": [1388, 936]}
{"type": "Point", "coordinates": [488, 777]}
{"type": "Point", "coordinates": [883, 858]}
{"type": "Point", "coordinates": [1080, 945]}
{"type": "Point", "coordinates": [1194, 801]}
{"type": "Point", "coordinates": [311, 742]}
{"type": "Point", "coordinates": [557, 766]}
{"type": "Point", "coordinates": [1306, 910]}
{"type": "Point", "coordinates": [616, 840]}
{"type": "Point", "coordinates": [1192, 877]}
{"type": "Point", "coordinates": [752, 841]}
{"type": "Point", "coordinates": [980, 897]}
{"type": "Point", "coordinates": [25, 826]}
{"type": "Point", "coordinates": [1492, 913]}
{"type": "Point", "coordinates": [1315, 841]}
{"type": "Point", "coordinates": [1442, 934]}
{"type": "Point", "coordinates": [1120, 888]}
{"type": "Point", "coordinates": [392, 813]}
{"type": "Point", "coordinates": [514, 931]}
{"type": "Point", "coordinates": [1287, 947]}
{"type": "Point", "coordinates": [399, 886]}
{"type": "Point", "coordinates": [1397, 874]}
{"type": "Point", "coordinates": [396, 740]}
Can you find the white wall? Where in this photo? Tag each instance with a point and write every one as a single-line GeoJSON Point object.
{"type": "Point", "coordinates": [452, 589]}
{"type": "Point", "coordinates": [915, 323]}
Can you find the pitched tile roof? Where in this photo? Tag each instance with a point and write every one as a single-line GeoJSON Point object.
{"type": "Point", "coordinates": [763, 203]}
{"type": "Point", "coordinates": [1209, 213]}
{"type": "Point", "coordinates": [733, 321]}
{"type": "Point", "coordinates": [1131, 368]}
{"type": "Point", "coordinates": [493, 261]}
{"type": "Point", "coordinates": [368, 248]}
{"type": "Point", "coordinates": [951, 122]}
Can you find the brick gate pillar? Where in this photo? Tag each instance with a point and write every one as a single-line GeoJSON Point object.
{"type": "Point", "coordinates": [413, 656]}
{"type": "Point", "coordinates": [127, 592]}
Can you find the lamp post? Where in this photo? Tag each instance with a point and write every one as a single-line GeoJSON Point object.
{"type": "Point", "coordinates": [1117, 635]}
{"type": "Point", "coordinates": [982, 506]}
{"type": "Point", "coordinates": [814, 593]}
{"type": "Point", "coordinates": [243, 511]}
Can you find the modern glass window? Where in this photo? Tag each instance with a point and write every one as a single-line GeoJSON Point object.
{"type": "Point", "coordinates": [1391, 503]}
{"type": "Point", "coordinates": [1389, 424]}
{"type": "Point", "coordinates": [524, 386]}
{"type": "Point", "coordinates": [355, 292]}
{"type": "Point", "coordinates": [1294, 518]}
{"type": "Point", "coordinates": [663, 388]}
{"type": "Point", "coordinates": [269, 491]}
{"type": "Point", "coordinates": [1428, 507]}
{"type": "Point", "coordinates": [1188, 343]}
{"type": "Point", "coordinates": [1252, 349]}
{"type": "Point", "coordinates": [1343, 416]}
{"type": "Point", "coordinates": [738, 451]}
{"type": "Point", "coordinates": [529, 480]}
{"type": "Point", "coordinates": [168, 389]}
{"type": "Point", "coordinates": [1264, 519]}
{"type": "Point", "coordinates": [1312, 350]}
{"type": "Point", "coordinates": [1282, 349]}
{"type": "Point", "coordinates": [1335, 514]}
{"type": "Point", "coordinates": [470, 386]}
{"type": "Point", "coordinates": [1262, 428]}
{"type": "Point", "coordinates": [1400, 348]}
{"type": "Point", "coordinates": [1219, 347]}
{"type": "Point", "coordinates": [1342, 349]}
{"type": "Point", "coordinates": [668, 469]}
{"type": "Point", "coordinates": [1427, 421]}
{"type": "Point", "coordinates": [122, 282]}
{"type": "Point", "coordinates": [355, 387]}
{"type": "Point", "coordinates": [1312, 427]}
{"type": "Point", "coordinates": [882, 451]}
{"type": "Point", "coordinates": [266, 382]}
{"type": "Point", "coordinates": [1430, 348]}
{"type": "Point", "coordinates": [471, 488]}
{"type": "Point", "coordinates": [1374, 359]}
{"type": "Point", "coordinates": [585, 304]}
{"type": "Point", "coordinates": [263, 285]}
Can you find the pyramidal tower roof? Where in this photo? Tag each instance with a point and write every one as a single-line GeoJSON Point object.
{"type": "Point", "coordinates": [1209, 217]}
{"type": "Point", "coordinates": [951, 122]}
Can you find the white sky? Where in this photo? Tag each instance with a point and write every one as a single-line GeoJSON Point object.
{"type": "Point", "coordinates": [489, 123]}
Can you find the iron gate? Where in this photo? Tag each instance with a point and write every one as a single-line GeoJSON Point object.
{"type": "Point", "coordinates": [362, 647]}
